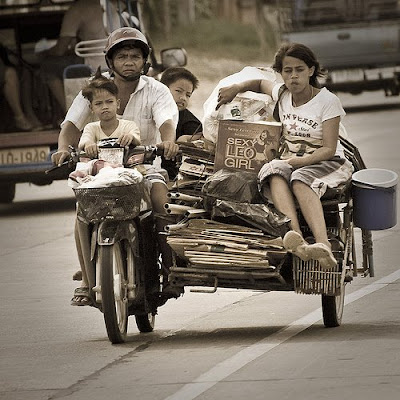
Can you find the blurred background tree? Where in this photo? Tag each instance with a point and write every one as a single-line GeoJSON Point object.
{"type": "Point", "coordinates": [239, 29]}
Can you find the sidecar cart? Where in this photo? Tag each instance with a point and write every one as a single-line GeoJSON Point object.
{"type": "Point", "coordinates": [213, 253]}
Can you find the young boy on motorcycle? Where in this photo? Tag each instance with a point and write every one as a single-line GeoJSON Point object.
{"type": "Point", "coordinates": [181, 82]}
{"type": "Point", "coordinates": [104, 103]}
{"type": "Point", "coordinates": [142, 99]}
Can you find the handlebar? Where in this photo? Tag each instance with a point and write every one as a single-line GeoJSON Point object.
{"type": "Point", "coordinates": [149, 154]}
{"type": "Point", "coordinates": [71, 162]}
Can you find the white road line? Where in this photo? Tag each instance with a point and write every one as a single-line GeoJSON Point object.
{"type": "Point", "coordinates": [225, 368]}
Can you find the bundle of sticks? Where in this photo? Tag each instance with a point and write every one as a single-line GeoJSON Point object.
{"type": "Point", "coordinates": [205, 243]}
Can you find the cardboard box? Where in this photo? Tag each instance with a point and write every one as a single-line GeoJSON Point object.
{"type": "Point", "coordinates": [246, 145]}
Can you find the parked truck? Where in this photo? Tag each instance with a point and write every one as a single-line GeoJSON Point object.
{"type": "Point", "coordinates": [25, 25]}
{"type": "Point", "coordinates": [357, 41]}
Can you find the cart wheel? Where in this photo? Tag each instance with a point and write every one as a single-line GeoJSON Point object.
{"type": "Point", "coordinates": [332, 309]}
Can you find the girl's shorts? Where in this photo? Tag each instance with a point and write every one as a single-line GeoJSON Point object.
{"type": "Point", "coordinates": [319, 177]}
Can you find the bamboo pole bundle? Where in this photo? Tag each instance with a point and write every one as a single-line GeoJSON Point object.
{"type": "Point", "coordinates": [184, 197]}
{"type": "Point", "coordinates": [177, 209]}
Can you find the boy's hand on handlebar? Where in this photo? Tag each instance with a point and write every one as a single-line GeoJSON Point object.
{"type": "Point", "coordinates": [59, 157]}
{"type": "Point", "coordinates": [226, 95]}
{"type": "Point", "coordinates": [170, 149]}
{"type": "Point", "coordinates": [128, 138]}
{"type": "Point", "coordinates": [91, 150]}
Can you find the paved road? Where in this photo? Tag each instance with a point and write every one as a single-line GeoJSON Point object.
{"type": "Point", "coordinates": [228, 345]}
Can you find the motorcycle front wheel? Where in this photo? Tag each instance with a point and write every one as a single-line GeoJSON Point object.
{"type": "Point", "coordinates": [114, 291]}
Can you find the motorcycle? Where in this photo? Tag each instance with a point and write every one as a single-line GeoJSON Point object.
{"type": "Point", "coordinates": [118, 240]}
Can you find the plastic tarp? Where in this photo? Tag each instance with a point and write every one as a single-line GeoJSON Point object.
{"type": "Point", "coordinates": [239, 186]}
{"type": "Point", "coordinates": [261, 216]}
{"type": "Point", "coordinates": [234, 195]}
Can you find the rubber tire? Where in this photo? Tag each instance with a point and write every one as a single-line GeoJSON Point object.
{"type": "Point", "coordinates": [115, 311]}
{"type": "Point", "coordinates": [7, 192]}
{"type": "Point", "coordinates": [145, 322]}
{"type": "Point", "coordinates": [332, 309]}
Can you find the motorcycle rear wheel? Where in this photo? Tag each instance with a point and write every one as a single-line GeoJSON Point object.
{"type": "Point", "coordinates": [114, 291]}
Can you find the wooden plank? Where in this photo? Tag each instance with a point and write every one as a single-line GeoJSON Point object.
{"type": "Point", "coordinates": [223, 249]}
{"type": "Point", "coordinates": [225, 256]}
{"type": "Point", "coordinates": [257, 274]}
{"type": "Point", "coordinates": [197, 241]}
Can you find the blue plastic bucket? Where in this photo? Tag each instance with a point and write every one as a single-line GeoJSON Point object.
{"type": "Point", "coordinates": [374, 194]}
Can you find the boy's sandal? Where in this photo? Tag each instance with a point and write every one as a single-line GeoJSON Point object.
{"type": "Point", "coordinates": [81, 297]}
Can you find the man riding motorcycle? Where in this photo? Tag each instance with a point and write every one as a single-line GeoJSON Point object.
{"type": "Point", "coordinates": [142, 99]}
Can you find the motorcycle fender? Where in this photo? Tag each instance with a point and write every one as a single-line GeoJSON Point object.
{"type": "Point", "coordinates": [112, 231]}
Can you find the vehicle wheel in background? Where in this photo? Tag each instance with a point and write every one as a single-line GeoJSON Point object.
{"type": "Point", "coordinates": [7, 192]}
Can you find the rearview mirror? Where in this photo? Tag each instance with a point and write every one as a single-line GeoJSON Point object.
{"type": "Point", "coordinates": [174, 57]}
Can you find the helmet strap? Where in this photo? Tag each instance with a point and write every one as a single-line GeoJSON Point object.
{"type": "Point", "coordinates": [146, 68]}
{"type": "Point", "coordinates": [133, 77]}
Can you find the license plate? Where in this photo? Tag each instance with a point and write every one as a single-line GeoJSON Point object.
{"type": "Point", "coordinates": [347, 75]}
{"type": "Point", "coordinates": [24, 155]}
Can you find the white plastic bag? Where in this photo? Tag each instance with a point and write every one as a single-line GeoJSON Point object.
{"type": "Point", "coordinates": [247, 106]}
{"type": "Point", "coordinates": [108, 176]}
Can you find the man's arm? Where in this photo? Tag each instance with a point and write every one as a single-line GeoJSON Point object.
{"type": "Point", "coordinates": [69, 135]}
{"type": "Point", "coordinates": [228, 93]}
{"type": "Point", "coordinates": [63, 46]}
{"type": "Point", "coordinates": [68, 32]}
{"type": "Point", "coordinates": [168, 135]}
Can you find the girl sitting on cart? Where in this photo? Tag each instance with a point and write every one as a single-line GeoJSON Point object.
{"type": "Point", "coordinates": [312, 158]}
